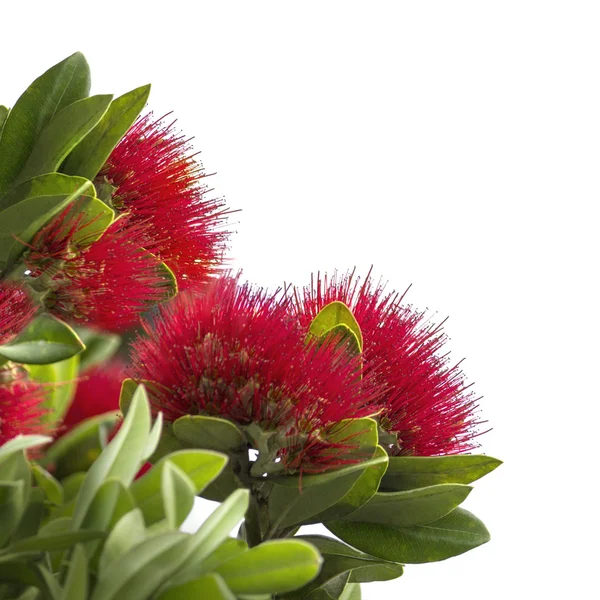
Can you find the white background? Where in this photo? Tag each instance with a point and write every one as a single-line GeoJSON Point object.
{"type": "Point", "coordinates": [453, 145]}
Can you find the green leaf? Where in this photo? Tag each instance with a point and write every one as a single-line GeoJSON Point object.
{"type": "Point", "coordinates": [457, 532]}
{"type": "Point", "coordinates": [351, 592]}
{"type": "Point", "coordinates": [48, 184]}
{"type": "Point", "coordinates": [227, 550]}
{"type": "Point", "coordinates": [20, 223]}
{"type": "Point", "coordinates": [3, 116]}
{"type": "Point", "coordinates": [76, 584]}
{"type": "Point", "coordinates": [208, 586]}
{"type": "Point", "coordinates": [213, 532]}
{"type": "Point", "coordinates": [121, 458]}
{"type": "Point", "coordinates": [272, 567]}
{"type": "Point", "coordinates": [360, 493]}
{"type": "Point", "coordinates": [340, 559]}
{"type": "Point", "coordinates": [52, 488]}
{"type": "Point", "coordinates": [31, 520]}
{"type": "Point", "coordinates": [12, 505]}
{"type": "Point", "coordinates": [128, 531]}
{"type": "Point", "coordinates": [58, 87]}
{"type": "Point", "coordinates": [226, 483]}
{"type": "Point", "coordinates": [94, 218]}
{"type": "Point", "coordinates": [22, 442]}
{"type": "Point", "coordinates": [79, 448]}
{"type": "Point", "coordinates": [62, 377]}
{"type": "Point", "coordinates": [45, 340]}
{"type": "Point", "coordinates": [57, 541]}
{"type": "Point", "coordinates": [62, 134]}
{"type": "Point", "coordinates": [178, 494]}
{"type": "Point", "coordinates": [330, 316]}
{"type": "Point", "coordinates": [212, 433]}
{"type": "Point", "coordinates": [409, 472]}
{"type": "Point", "coordinates": [142, 569]}
{"type": "Point", "coordinates": [89, 156]}
{"type": "Point", "coordinates": [99, 347]}
{"type": "Point", "coordinates": [294, 500]}
{"type": "Point", "coordinates": [411, 507]}
{"type": "Point", "coordinates": [200, 466]}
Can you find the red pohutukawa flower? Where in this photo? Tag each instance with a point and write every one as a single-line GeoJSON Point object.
{"type": "Point", "coordinates": [234, 352]}
{"type": "Point", "coordinates": [21, 404]}
{"type": "Point", "coordinates": [158, 182]}
{"type": "Point", "coordinates": [427, 402]}
{"type": "Point", "coordinates": [98, 392]}
{"type": "Point", "coordinates": [16, 310]}
{"type": "Point", "coordinates": [106, 283]}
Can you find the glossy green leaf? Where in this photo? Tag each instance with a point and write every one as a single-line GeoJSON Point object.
{"type": "Point", "coordinates": [99, 347]}
{"type": "Point", "coordinates": [127, 532]}
{"type": "Point", "coordinates": [200, 466]}
{"type": "Point", "coordinates": [45, 340]}
{"type": "Point", "coordinates": [121, 458]}
{"type": "Point", "coordinates": [457, 532]}
{"type": "Point", "coordinates": [48, 184]}
{"type": "Point", "coordinates": [62, 377]}
{"type": "Point", "coordinates": [94, 218]}
{"type": "Point", "coordinates": [351, 592]}
{"type": "Point", "coordinates": [177, 493]}
{"type": "Point", "coordinates": [212, 433]}
{"type": "Point", "coordinates": [411, 507]}
{"type": "Point", "coordinates": [330, 316]}
{"type": "Point", "coordinates": [64, 83]}
{"type": "Point", "coordinates": [294, 500]}
{"type": "Point", "coordinates": [20, 222]}
{"type": "Point", "coordinates": [22, 442]}
{"type": "Point", "coordinates": [142, 569]}
{"type": "Point", "coordinates": [62, 134]}
{"type": "Point", "coordinates": [153, 437]}
{"type": "Point", "coordinates": [272, 567]}
{"type": "Point", "coordinates": [76, 583]}
{"type": "Point", "coordinates": [51, 487]}
{"type": "Point", "coordinates": [360, 493]}
{"type": "Point", "coordinates": [3, 115]}
{"type": "Point", "coordinates": [89, 156]}
{"type": "Point", "coordinates": [207, 586]}
{"type": "Point", "coordinates": [409, 472]}
{"type": "Point", "coordinates": [343, 564]}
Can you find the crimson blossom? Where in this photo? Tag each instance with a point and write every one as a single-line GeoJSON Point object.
{"type": "Point", "coordinates": [234, 352]}
{"type": "Point", "coordinates": [427, 403]}
{"type": "Point", "coordinates": [16, 310]}
{"type": "Point", "coordinates": [104, 283]}
{"type": "Point", "coordinates": [98, 391]}
{"type": "Point", "coordinates": [21, 404]}
{"type": "Point", "coordinates": [158, 182]}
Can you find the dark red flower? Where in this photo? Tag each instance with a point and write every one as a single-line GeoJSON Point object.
{"type": "Point", "coordinates": [234, 352]}
{"type": "Point", "coordinates": [21, 404]}
{"type": "Point", "coordinates": [427, 402]}
{"type": "Point", "coordinates": [104, 284]}
{"type": "Point", "coordinates": [158, 182]}
{"type": "Point", "coordinates": [16, 310]}
{"type": "Point", "coordinates": [98, 392]}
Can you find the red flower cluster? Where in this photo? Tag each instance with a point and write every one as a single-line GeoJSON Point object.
{"type": "Point", "coordinates": [427, 402]}
{"type": "Point", "coordinates": [98, 392]}
{"type": "Point", "coordinates": [237, 353]}
{"type": "Point", "coordinates": [158, 182]}
{"type": "Point", "coordinates": [104, 284]}
{"type": "Point", "coordinates": [16, 310]}
{"type": "Point", "coordinates": [21, 404]}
